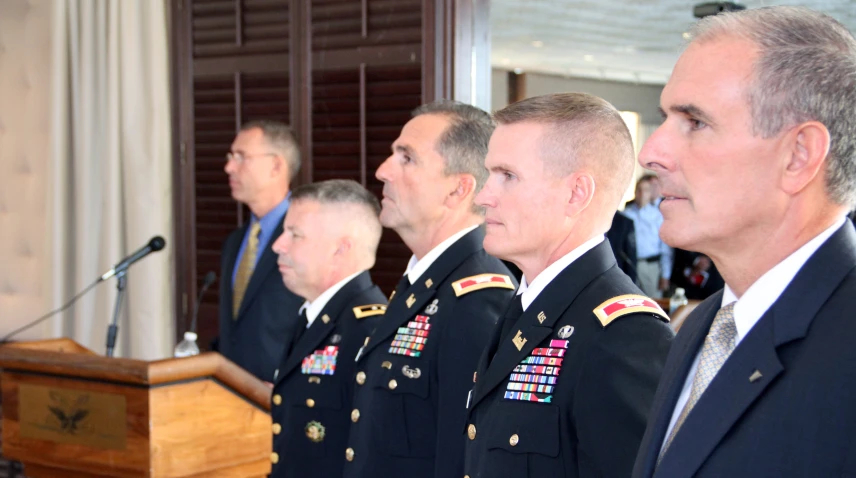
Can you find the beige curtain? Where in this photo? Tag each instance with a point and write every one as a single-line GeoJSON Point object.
{"type": "Point", "coordinates": [110, 171]}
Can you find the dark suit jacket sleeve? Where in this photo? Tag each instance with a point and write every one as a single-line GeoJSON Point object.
{"type": "Point", "coordinates": [615, 392]}
{"type": "Point", "coordinates": [462, 347]}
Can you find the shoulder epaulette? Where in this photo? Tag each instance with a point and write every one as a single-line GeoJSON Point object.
{"type": "Point", "coordinates": [369, 310]}
{"type": "Point", "coordinates": [627, 304]}
{"type": "Point", "coordinates": [481, 281]}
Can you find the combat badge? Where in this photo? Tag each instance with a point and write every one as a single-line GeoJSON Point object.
{"type": "Point", "coordinates": [413, 373]}
{"type": "Point", "coordinates": [432, 308]}
{"type": "Point", "coordinates": [315, 432]}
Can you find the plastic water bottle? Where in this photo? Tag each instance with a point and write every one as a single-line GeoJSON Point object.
{"type": "Point", "coordinates": [678, 299]}
{"type": "Point", "coordinates": [187, 347]}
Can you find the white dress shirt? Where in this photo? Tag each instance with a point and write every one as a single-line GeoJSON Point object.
{"type": "Point", "coordinates": [751, 307]}
{"type": "Point", "coordinates": [315, 308]}
{"type": "Point", "coordinates": [417, 267]}
{"type": "Point", "coordinates": [531, 291]}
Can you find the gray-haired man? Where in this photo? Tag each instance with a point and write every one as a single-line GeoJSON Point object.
{"type": "Point", "coordinates": [757, 162]}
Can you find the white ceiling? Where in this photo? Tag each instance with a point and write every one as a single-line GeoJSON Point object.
{"type": "Point", "coordinates": [623, 40]}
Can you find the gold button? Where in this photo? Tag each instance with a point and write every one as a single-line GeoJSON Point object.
{"type": "Point", "coordinates": [355, 415]}
{"type": "Point", "coordinates": [361, 378]}
{"type": "Point", "coordinates": [392, 384]}
{"type": "Point", "coordinates": [471, 431]}
{"type": "Point", "coordinates": [274, 458]}
{"type": "Point", "coordinates": [277, 399]}
{"type": "Point", "coordinates": [514, 440]}
{"type": "Point", "coordinates": [276, 428]}
{"type": "Point", "coordinates": [387, 365]}
{"type": "Point", "coordinates": [349, 454]}
{"type": "Point", "coordinates": [310, 403]}
{"type": "Point", "coordinates": [466, 476]}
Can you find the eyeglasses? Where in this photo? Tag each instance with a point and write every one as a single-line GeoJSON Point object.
{"type": "Point", "coordinates": [240, 158]}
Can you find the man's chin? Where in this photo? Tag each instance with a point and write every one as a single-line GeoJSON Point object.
{"type": "Point", "coordinates": [389, 219]}
{"type": "Point", "coordinates": [493, 245]}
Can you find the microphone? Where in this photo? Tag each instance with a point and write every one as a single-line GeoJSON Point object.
{"type": "Point", "coordinates": [210, 278]}
{"type": "Point", "coordinates": [155, 244]}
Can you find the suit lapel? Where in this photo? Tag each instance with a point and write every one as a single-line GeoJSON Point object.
{"type": "Point", "coordinates": [320, 330]}
{"type": "Point", "coordinates": [419, 293]}
{"type": "Point", "coordinates": [732, 391]}
{"type": "Point", "coordinates": [552, 301]}
{"type": "Point", "coordinates": [264, 266]}
{"type": "Point", "coordinates": [672, 382]}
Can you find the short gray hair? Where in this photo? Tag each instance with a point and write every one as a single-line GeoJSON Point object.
{"type": "Point", "coordinates": [344, 192]}
{"type": "Point", "coordinates": [464, 143]}
{"type": "Point", "coordinates": [281, 139]}
{"type": "Point", "coordinates": [582, 129]}
{"type": "Point", "coordinates": [805, 71]}
{"type": "Point", "coordinates": [337, 191]}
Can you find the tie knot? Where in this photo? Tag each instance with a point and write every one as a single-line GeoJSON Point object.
{"type": "Point", "coordinates": [723, 327]}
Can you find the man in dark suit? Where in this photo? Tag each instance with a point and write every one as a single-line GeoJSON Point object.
{"type": "Point", "coordinates": [622, 238]}
{"type": "Point", "coordinates": [565, 383]}
{"type": "Point", "coordinates": [757, 160]}
{"type": "Point", "coordinates": [330, 240]}
{"type": "Point", "coordinates": [258, 315]}
{"type": "Point", "coordinates": [414, 372]}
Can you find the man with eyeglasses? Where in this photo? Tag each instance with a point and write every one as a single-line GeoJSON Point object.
{"type": "Point", "coordinates": [258, 315]}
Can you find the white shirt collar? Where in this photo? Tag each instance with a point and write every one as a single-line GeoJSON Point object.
{"type": "Point", "coordinates": [531, 291]}
{"type": "Point", "coordinates": [315, 308]}
{"type": "Point", "coordinates": [762, 294]}
{"type": "Point", "coordinates": [415, 268]}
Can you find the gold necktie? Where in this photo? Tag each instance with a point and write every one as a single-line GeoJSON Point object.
{"type": "Point", "coordinates": [245, 268]}
{"type": "Point", "coordinates": [718, 345]}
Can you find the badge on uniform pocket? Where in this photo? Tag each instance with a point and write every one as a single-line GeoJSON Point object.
{"type": "Point", "coordinates": [413, 373]}
{"type": "Point", "coordinates": [315, 431]}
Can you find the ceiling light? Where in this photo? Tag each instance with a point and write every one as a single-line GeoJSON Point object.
{"type": "Point", "coordinates": [686, 35]}
{"type": "Point", "coordinates": [518, 71]}
{"type": "Point", "coordinates": [506, 61]}
{"type": "Point", "coordinates": [537, 43]}
{"type": "Point", "coordinates": [588, 57]}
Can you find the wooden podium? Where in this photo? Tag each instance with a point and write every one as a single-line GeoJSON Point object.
{"type": "Point", "coordinates": [70, 413]}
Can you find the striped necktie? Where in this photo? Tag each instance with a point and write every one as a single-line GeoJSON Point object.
{"type": "Point", "coordinates": [245, 268]}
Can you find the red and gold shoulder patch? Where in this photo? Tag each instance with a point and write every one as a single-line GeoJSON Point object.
{"type": "Point", "coordinates": [369, 310]}
{"type": "Point", "coordinates": [482, 281]}
{"type": "Point", "coordinates": [627, 304]}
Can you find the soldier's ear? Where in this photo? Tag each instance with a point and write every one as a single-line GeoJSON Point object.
{"type": "Point", "coordinates": [580, 187]}
{"type": "Point", "coordinates": [463, 191]}
{"type": "Point", "coordinates": [466, 185]}
{"type": "Point", "coordinates": [344, 245]}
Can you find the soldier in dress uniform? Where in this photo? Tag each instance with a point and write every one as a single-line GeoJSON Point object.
{"type": "Point", "coordinates": [569, 374]}
{"type": "Point", "coordinates": [329, 242]}
{"type": "Point", "coordinates": [415, 370]}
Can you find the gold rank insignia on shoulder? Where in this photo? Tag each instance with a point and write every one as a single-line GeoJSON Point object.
{"type": "Point", "coordinates": [362, 311]}
{"type": "Point", "coordinates": [481, 281]}
{"type": "Point", "coordinates": [627, 304]}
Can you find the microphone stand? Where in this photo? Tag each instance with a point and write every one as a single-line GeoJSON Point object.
{"type": "Point", "coordinates": [113, 329]}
